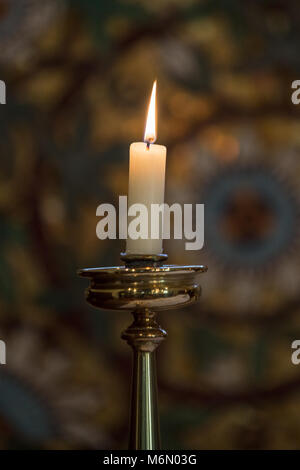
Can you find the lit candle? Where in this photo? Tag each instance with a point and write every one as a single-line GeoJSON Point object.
{"type": "Point", "coordinates": [147, 165]}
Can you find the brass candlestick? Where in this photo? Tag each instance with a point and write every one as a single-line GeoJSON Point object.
{"type": "Point", "coordinates": [144, 286]}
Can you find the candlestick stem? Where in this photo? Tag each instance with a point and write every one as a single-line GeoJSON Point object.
{"type": "Point", "coordinates": [144, 335]}
{"type": "Point", "coordinates": [144, 421]}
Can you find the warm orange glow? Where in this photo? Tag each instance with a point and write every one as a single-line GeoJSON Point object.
{"type": "Point", "coordinates": [150, 129]}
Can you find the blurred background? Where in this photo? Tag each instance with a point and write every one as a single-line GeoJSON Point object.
{"type": "Point", "coordinates": [78, 76]}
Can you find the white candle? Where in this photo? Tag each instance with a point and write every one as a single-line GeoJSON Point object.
{"type": "Point", "coordinates": [147, 166]}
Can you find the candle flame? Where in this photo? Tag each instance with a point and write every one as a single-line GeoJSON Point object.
{"type": "Point", "coordinates": [150, 129]}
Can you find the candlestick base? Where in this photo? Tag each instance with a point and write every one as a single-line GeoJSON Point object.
{"type": "Point", "coordinates": [144, 290]}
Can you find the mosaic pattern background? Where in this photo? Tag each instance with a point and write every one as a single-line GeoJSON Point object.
{"type": "Point", "coordinates": [78, 74]}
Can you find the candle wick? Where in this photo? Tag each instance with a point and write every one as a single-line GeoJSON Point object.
{"type": "Point", "coordinates": [148, 144]}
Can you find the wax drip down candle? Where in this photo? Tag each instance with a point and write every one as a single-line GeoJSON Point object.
{"type": "Point", "coordinates": [147, 165]}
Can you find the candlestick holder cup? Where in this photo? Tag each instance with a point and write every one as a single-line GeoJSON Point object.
{"type": "Point", "coordinates": [143, 286]}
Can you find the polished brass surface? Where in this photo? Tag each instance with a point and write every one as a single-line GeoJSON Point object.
{"type": "Point", "coordinates": [158, 288]}
{"type": "Point", "coordinates": [144, 290]}
{"type": "Point", "coordinates": [144, 429]}
{"type": "Point", "coordinates": [144, 335]}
